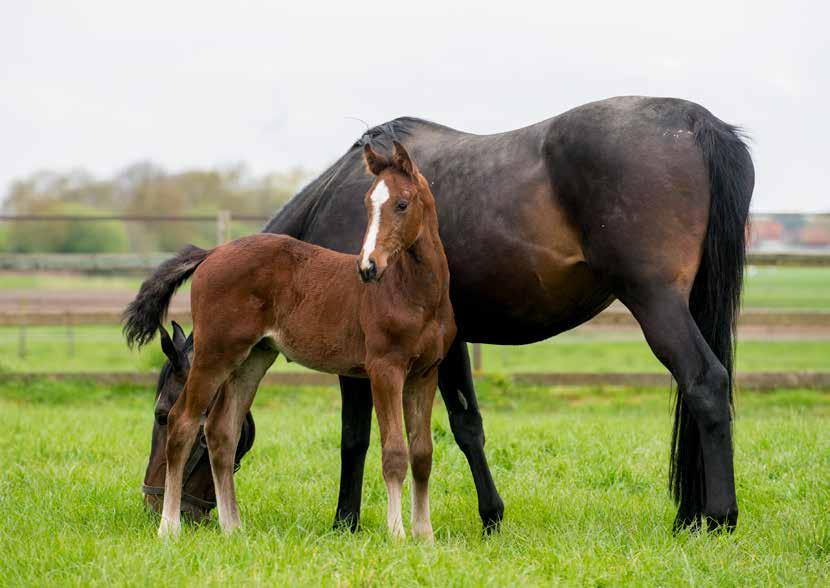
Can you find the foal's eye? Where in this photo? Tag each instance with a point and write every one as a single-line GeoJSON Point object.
{"type": "Point", "coordinates": [402, 205]}
{"type": "Point", "coordinates": [161, 419]}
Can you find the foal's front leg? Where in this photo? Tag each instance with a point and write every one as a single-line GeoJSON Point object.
{"type": "Point", "coordinates": [387, 394]}
{"type": "Point", "coordinates": [418, 399]}
{"type": "Point", "coordinates": [182, 427]}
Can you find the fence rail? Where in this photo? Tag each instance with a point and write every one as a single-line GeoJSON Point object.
{"type": "Point", "coordinates": [610, 319]}
{"type": "Point", "coordinates": [223, 220]}
{"type": "Point", "coordinates": [745, 380]}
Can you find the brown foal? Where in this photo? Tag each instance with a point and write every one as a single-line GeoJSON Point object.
{"type": "Point", "coordinates": [266, 294]}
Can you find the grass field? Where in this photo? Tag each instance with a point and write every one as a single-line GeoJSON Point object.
{"type": "Point", "coordinates": [582, 473]}
{"type": "Point", "coordinates": [102, 348]}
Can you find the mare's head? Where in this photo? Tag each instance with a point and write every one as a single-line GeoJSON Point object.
{"type": "Point", "coordinates": [398, 203]}
{"type": "Point", "coordinates": [199, 496]}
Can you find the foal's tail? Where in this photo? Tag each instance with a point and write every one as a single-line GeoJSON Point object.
{"type": "Point", "coordinates": [716, 294]}
{"type": "Point", "coordinates": [145, 314]}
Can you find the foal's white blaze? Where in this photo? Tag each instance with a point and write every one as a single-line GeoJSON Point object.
{"type": "Point", "coordinates": [379, 195]}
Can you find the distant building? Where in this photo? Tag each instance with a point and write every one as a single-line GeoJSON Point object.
{"type": "Point", "coordinates": [789, 232]}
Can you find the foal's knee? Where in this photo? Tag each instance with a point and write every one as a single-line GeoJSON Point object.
{"type": "Point", "coordinates": [394, 463]}
{"type": "Point", "coordinates": [221, 444]}
{"type": "Point", "coordinates": [181, 431]}
{"type": "Point", "coordinates": [421, 457]}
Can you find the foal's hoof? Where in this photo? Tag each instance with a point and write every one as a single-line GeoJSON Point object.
{"type": "Point", "coordinates": [169, 528]}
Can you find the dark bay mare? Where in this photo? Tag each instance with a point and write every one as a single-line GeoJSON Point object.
{"type": "Point", "coordinates": [265, 294]}
{"type": "Point", "coordinates": [639, 199]}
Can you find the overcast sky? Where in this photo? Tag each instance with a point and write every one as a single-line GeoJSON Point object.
{"type": "Point", "coordinates": [100, 84]}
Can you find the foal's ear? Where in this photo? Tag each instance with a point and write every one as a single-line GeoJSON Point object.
{"type": "Point", "coordinates": [169, 348]}
{"type": "Point", "coordinates": [179, 338]}
{"type": "Point", "coordinates": [402, 161]}
{"type": "Point", "coordinates": [374, 163]}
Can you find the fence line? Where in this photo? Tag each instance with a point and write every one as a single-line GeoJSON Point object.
{"type": "Point", "coordinates": [760, 381]}
{"type": "Point", "coordinates": [224, 218]}
{"type": "Point", "coordinates": [610, 319]}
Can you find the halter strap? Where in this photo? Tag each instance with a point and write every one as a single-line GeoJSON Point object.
{"type": "Point", "coordinates": [196, 455]}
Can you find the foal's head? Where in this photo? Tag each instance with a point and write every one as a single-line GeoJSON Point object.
{"type": "Point", "coordinates": [398, 202]}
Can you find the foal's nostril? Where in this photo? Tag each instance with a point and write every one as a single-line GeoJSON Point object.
{"type": "Point", "coordinates": [367, 274]}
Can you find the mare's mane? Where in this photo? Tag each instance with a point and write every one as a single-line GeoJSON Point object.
{"type": "Point", "coordinates": [292, 217]}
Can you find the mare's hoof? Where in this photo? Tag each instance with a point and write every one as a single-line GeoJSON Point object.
{"type": "Point", "coordinates": [346, 523]}
{"type": "Point", "coordinates": [491, 518]}
{"type": "Point", "coordinates": [722, 522]}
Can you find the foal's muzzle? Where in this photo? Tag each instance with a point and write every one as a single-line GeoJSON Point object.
{"type": "Point", "coordinates": [369, 274]}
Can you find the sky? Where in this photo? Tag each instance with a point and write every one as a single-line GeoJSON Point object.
{"type": "Point", "coordinates": [102, 84]}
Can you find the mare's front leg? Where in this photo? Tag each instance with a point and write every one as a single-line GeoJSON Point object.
{"type": "Point", "coordinates": [356, 425]}
{"type": "Point", "coordinates": [419, 396]}
{"type": "Point", "coordinates": [182, 426]}
{"type": "Point", "coordinates": [456, 383]}
{"type": "Point", "coordinates": [387, 379]}
{"type": "Point", "coordinates": [224, 425]}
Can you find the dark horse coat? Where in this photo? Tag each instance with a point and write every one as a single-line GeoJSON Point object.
{"type": "Point", "coordinates": [639, 199]}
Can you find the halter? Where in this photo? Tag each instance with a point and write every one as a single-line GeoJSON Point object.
{"type": "Point", "coordinates": [246, 441]}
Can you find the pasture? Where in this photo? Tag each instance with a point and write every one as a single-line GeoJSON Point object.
{"type": "Point", "coordinates": [582, 472]}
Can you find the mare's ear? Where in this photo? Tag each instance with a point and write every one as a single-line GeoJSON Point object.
{"type": "Point", "coordinates": [402, 161]}
{"type": "Point", "coordinates": [179, 338]}
{"type": "Point", "coordinates": [374, 163]}
{"type": "Point", "coordinates": [169, 348]}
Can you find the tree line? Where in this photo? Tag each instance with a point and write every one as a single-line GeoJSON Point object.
{"type": "Point", "coordinates": [139, 189]}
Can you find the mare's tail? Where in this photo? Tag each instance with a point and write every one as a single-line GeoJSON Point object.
{"type": "Point", "coordinates": [716, 293]}
{"type": "Point", "coordinates": [145, 314]}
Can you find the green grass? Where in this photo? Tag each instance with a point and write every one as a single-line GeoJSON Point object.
{"type": "Point", "coordinates": [102, 348]}
{"type": "Point", "coordinates": [582, 473]}
{"type": "Point", "coordinates": [575, 353]}
{"type": "Point", "coordinates": [800, 288]}
{"type": "Point", "coordinates": [67, 281]}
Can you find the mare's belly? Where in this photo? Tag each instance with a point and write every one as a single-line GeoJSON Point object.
{"type": "Point", "coordinates": [520, 303]}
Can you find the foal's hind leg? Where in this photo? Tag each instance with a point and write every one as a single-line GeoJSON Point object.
{"type": "Point", "coordinates": [675, 339]}
{"type": "Point", "coordinates": [224, 425]}
{"type": "Point", "coordinates": [182, 427]}
{"type": "Point", "coordinates": [418, 399]}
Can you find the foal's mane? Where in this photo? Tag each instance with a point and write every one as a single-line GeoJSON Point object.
{"type": "Point", "coordinates": [292, 217]}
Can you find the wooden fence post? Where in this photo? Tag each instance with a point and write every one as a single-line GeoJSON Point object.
{"type": "Point", "coordinates": [21, 333]}
{"type": "Point", "coordinates": [477, 357]}
{"type": "Point", "coordinates": [70, 334]}
{"type": "Point", "coordinates": [223, 226]}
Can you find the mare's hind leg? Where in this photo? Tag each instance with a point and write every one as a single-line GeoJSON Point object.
{"type": "Point", "coordinates": [224, 425]}
{"type": "Point", "coordinates": [456, 383]}
{"type": "Point", "coordinates": [418, 398]}
{"type": "Point", "coordinates": [675, 339]}
{"type": "Point", "coordinates": [356, 425]}
{"type": "Point", "coordinates": [183, 421]}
